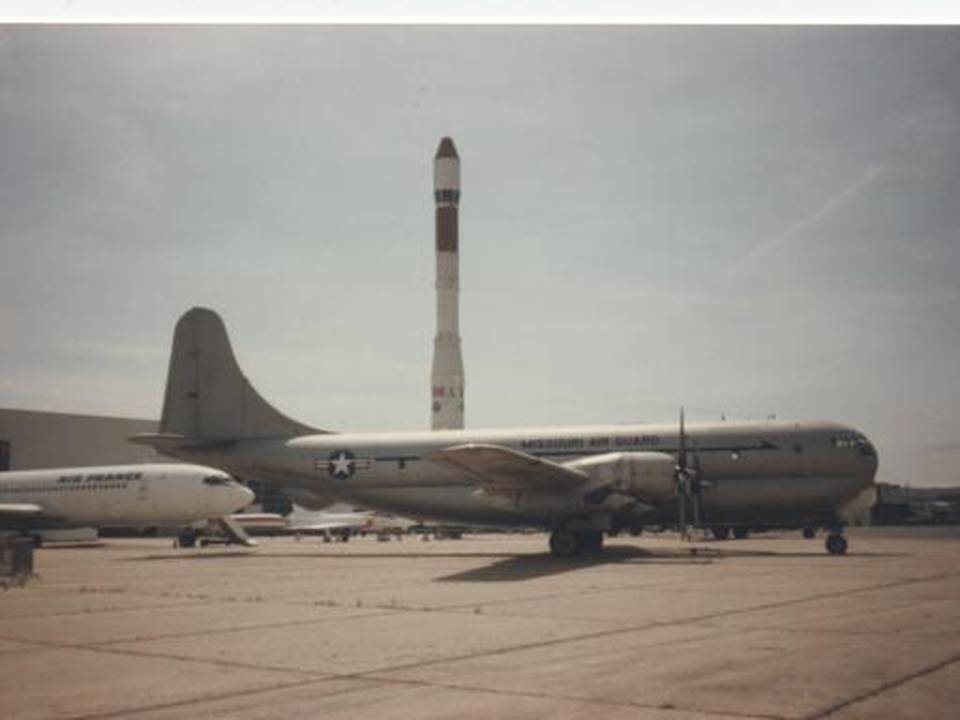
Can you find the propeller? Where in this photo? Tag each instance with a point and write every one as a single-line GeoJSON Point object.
{"type": "Point", "coordinates": [682, 475]}
{"type": "Point", "coordinates": [696, 487]}
{"type": "Point", "coordinates": [689, 483]}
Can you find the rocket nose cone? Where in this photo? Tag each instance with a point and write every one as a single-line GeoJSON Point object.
{"type": "Point", "coordinates": [446, 149]}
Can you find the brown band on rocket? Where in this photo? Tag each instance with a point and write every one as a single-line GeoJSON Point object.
{"type": "Point", "coordinates": [447, 229]}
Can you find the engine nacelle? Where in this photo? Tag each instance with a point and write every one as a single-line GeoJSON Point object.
{"type": "Point", "coordinates": [647, 476]}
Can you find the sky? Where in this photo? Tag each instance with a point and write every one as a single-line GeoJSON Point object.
{"type": "Point", "coordinates": [742, 221]}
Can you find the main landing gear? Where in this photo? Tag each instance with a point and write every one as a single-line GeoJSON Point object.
{"type": "Point", "coordinates": [36, 538]}
{"type": "Point", "coordinates": [186, 539]}
{"type": "Point", "coordinates": [569, 543]}
{"type": "Point", "coordinates": [836, 543]}
{"type": "Point", "coordinates": [722, 532]}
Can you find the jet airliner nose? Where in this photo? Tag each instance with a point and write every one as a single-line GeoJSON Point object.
{"type": "Point", "coordinates": [229, 496]}
{"type": "Point", "coordinates": [868, 455]}
{"type": "Point", "coordinates": [240, 497]}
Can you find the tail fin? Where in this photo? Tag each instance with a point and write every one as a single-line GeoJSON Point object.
{"type": "Point", "coordinates": [208, 400]}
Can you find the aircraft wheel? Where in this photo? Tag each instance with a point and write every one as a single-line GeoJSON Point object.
{"type": "Point", "coordinates": [720, 533]}
{"type": "Point", "coordinates": [564, 543]}
{"type": "Point", "coordinates": [836, 544]}
{"type": "Point", "coordinates": [809, 532]}
{"type": "Point", "coordinates": [591, 541]}
{"type": "Point", "coordinates": [741, 533]}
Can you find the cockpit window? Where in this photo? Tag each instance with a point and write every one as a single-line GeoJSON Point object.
{"type": "Point", "coordinates": [854, 440]}
{"type": "Point", "coordinates": [864, 447]}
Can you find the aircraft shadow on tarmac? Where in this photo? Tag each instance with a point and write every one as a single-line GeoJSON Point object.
{"type": "Point", "coordinates": [526, 567]}
{"type": "Point", "coordinates": [252, 553]}
{"type": "Point", "coordinates": [510, 567]}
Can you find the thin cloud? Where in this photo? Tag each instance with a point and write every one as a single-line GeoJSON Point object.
{"type": "Point", "coordinates": [870, 176]}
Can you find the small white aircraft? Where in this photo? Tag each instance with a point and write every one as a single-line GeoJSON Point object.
{"type": "Point", "coordinates": [121, 496]}
{"type": "Point", "coordinates": [300, 522]}
{"type": "Point", "coordinates": [340, 525]}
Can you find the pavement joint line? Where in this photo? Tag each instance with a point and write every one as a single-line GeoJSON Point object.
{"type": "Point", "coordinates": [663, 707]}
{"type": "Point", "coordinates": [820, 631]}
{"type": "Point", "coordinates": [375, 677]}
{"type": "Point", "coordinates": [30, 649]}
{"type": "Point", "coordinates": [641, 587]}
{"type": "Point", "coordinates": [461, 607]}
{"type": "Point", "coordinates": [623, 630]}
{"type": "Point", "coordinates": [484, 653]}
{"type": "Point", "coordinates": [751, 573]}
{"type": "Point", "coordinates": [440, 608]}
{"type": "Point", "coordinates": [371, 677]}
{"type": "Point", "coordinates": [98, 611]}
{"type": "Point", "coordinates": [317, 675]}
{"type": "Point", "coordinates": [889, 685]}
{"type": "Point", "coordinates": [186, 702]}
{"type": "Point", "coordinates": [362, 680]}
{"type": "Point", "coordinates": [221, 631]}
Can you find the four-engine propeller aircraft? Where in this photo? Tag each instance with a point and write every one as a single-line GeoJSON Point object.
{"type": "Point", "coordinates": [144, 495]}
{"type": "Point", "coordinates": [577, 482]}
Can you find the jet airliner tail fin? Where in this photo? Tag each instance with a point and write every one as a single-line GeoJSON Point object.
{"type": "Point", "coordinates": [208, 400]}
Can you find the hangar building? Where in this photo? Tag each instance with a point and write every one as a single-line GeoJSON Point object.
{"type": "Point", "coordinates": [31, 439]}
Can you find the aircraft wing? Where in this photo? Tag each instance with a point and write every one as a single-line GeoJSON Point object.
{"type": "Point", "coordinates": [19, 511]}
{"type": "Point", "coordinates": [501, 470]}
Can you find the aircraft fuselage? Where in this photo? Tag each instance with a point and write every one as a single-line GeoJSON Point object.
{"type": "Point", "coordinates": [756, 473]}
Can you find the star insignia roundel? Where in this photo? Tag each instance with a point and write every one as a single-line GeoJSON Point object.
{"type": "Point", "coordinates": [341, 464]}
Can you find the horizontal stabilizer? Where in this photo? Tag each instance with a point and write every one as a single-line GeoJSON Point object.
{"type": "Point", "coordinates": [503, 470]}
{"type": "Point", "coordinates": [159, 441]}
{"type": "Point", "coordinates": [231, 528]}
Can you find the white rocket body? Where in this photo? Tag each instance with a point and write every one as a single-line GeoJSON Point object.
{"type": "Point", "coordinates": [447, 373]}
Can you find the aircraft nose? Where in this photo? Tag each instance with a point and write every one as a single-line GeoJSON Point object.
{"type": "Point", "coordinates": [869, 451]}
{"type": "Point", "coordinates": [868, 455]}
{"type": "Point", "coordinates": [240, 497]}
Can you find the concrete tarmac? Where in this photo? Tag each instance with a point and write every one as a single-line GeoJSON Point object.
{"type": "Point", "coordinates": [488, 627]}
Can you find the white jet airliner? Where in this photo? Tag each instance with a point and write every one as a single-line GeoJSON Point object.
{"type": "Point", "coordinates": [145, 495]}
{"type": "Point", "coordinates": [577, 482]}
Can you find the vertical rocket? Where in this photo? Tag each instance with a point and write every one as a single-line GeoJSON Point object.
{"type": "Point", "coordinates": [447, 372]}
